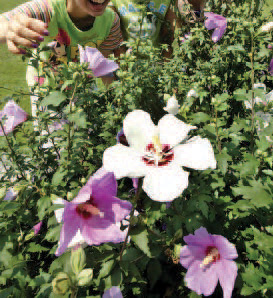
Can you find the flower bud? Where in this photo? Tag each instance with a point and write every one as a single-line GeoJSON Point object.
{"type": "Point", "coordinates": [83, 180]}
{"type": "Point", "coordinates": [69, 196]}
{"type": "Point", "coordinates": [76, 76]}
{"type": "Point", "coordinates": [61, 284]}
{"type": "Point", "coordinates": [77, 260]}
{"type": "Point", "coordinates": [85, 277]}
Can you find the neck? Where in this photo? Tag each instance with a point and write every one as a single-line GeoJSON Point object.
{"type": "Point", "coordinates": [81, 19]}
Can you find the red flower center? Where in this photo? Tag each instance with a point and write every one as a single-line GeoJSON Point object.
{"type": "Point", "coordinates": [158, 157]}
{"type": "Point", "coordinates": [213, 253]}
{"type": "Point", "coordinates": [87, 209]}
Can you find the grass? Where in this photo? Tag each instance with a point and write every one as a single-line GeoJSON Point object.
{"type": "Point", "coordinates": [13, 70]}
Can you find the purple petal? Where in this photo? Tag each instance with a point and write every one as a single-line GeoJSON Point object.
{"type": "Point", "coordinates": [14, 116]}
{"type": "Point", "coordinates": [226, 249]}
{"type": "Point", "coordinates": [270, 68]}
{"type": "Point", "coordinates": [227, 273]}
{"type": "Point", "coordinates": [201, 281]}
{"type": "Point", "coordinates": [135, 182]}
{"type": "Point", "coordinates": [218, 33]}
{"type": "Point", "coordinates": [97, 62]}
{"type": "Point", "coordinates": [102, 184]}
{"type": "Point", "coordinates": [37, 228]}
{"type": "Point", "coordinates": [217, 22]}
{"type": "Point", "coordinates": [113, 208]}
{"type": "Point", "coordinates": [113, 292]}
{"type": "Point", "coordinates": [97, 235]}
{"type": "Point", "coordinates": [186, 256]}
{"type": "Point", "coordinates": [72, 223]}
{"type": "Point", "coordinates": [121, 138]}
{"type": "Point", "coordinates": [11, 194]}
{"type": "Point", "coordinates": [200, 238]}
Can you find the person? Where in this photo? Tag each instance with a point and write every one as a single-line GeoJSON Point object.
{"type": "Point", "coordinates": [135, 24]}
{"type": "Point", "coordinates": [62, 24]}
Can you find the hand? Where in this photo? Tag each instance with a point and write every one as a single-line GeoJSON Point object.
{"type": "Point", "coordinates": [24, 31]}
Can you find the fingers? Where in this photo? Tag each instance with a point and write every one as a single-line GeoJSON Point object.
{"type": "Point", "coordinates": [26, 32]}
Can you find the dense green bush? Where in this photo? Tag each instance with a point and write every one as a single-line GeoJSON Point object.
{"type": "Point", "coordinates": [234, 200]}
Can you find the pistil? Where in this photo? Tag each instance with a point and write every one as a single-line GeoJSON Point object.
{"type": "Point", "coordinates": [212, 255]}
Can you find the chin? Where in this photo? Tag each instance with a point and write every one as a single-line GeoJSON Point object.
{"type": "Point", "coordinates": [96, 7]}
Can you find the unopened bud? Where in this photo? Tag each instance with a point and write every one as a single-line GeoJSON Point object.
{"type": "Point", "coordinates": [85, 277]}
{"type": "Point", "coordinates": [61, 284]}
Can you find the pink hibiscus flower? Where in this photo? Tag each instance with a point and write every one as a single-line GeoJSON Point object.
{"type": "Point", "coordinates": [99, 65]}
{"type": "Point", "coordinates": [217, 22]}
{"type": "Point", "coordinates": [94, 213]}
{"type": "Point", "coordinates": [11, 116]}
{"type": "Point", "coordinates": [209, 258]}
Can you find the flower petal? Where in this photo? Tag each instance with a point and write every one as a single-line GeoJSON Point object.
{"type": "Point", "coordinates": [113, 208]}
{"type": "Point", "coordinates": [186, 256]}
{"type": "Point", "coordinates": [227, 273]}
{"type": "Point", "coordinates": [139, 129]}
{"type": "Point", "coordinates": [226, 249]}
{"type": "Point", "coordinates": [200, 238]}
{"type": "Point", "coordinates": [59, 212]}
{"type": "Point", "coordinates": [103, 183]}
{"type": "Point", "coordinates": [69, 230]}
{"type": "Point", "coordinates": [113, 292]}
{"type": "Point", "coordinates": [124, 162]}
{"type": "Point", "coordinates": [202, 281]}
{"type": "Point", "coordinates": [96, 236]}
{"type": "Point", "coordinates": [172, 131]}
{"type": "Point", "coordinates": [218, 33]}
{"type": "Point", "coordinates": [166, 183]}
{"type": "Point", "coordinates": [197, 154]}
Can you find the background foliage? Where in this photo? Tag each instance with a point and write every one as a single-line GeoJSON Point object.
{"type": "Point", "coordinates": [235, 200]}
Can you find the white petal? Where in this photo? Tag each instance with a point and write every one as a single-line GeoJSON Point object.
{"type": "Point", "coordinates": [197, 154]}
{"type": "Point", "coordinates": [139, 129]}
{"type": "Point", "coordinates": [259, 86]}
{"type": "Point", "coordinates": [59, 212]}
{"type": "Point", "coordinates": [269, 96]}
{"type": "Point", "coordinates": [165, 183]}
{"type": "Point", "coordinates": [192, 93]}
{"type": "Point", "coordinates": [172, 131]}
{"type": "Point", "coordinates": [76, 240]}
{"type": "Point", "coordinates": [124, 162]}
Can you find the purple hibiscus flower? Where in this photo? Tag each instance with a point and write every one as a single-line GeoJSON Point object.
{"type": "Point", "coordinates": [113, 292]}
{"type": "Point", "coordinates": [37, 227]}
{"type": "Point", "coordinates": [217, 22]}
{"type": "Point", "coordinates": [97, 62]}
{"type": "Point", "coordinates": [94, 213]}
{"type": "Point", "coordinates": [208, 259]}
{"type": "Point", "coordinates": [11, 116]}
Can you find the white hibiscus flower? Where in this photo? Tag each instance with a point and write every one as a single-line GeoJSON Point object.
{"type": "Point", "coordinates": [154, 153]}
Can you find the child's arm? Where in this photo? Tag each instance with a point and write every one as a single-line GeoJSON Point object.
{"type": "Point", "coordinates": [24, 25]}
{"type": "Point", "coordinates": [112, 45]}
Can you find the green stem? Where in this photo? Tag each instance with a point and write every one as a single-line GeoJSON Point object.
{"type": "Point", "coordinates": [13, 154]}
{"type": "Point", "coordinates": [252, 93]}
{"type": "Point", "coordinates": [69, 126]}
{"type": "Point", "coordinates": [136, 198]}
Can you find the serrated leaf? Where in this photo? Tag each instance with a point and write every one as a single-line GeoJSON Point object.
{"type": "Point", "coordinates": [55, 99]}
{"type": "Point", "coordinates": [142, 242]}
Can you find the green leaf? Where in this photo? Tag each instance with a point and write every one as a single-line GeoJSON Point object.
{"type": "Point", "coordinates": [106, 268]}
{"type": "Point", "coordinates": [256, 193]}
{"type": "Point", "coordinates": [141, 240]}
{"type": "Point", "coordinates": [154, 271]}
{"type": "Point", "coordinates": [44, 204]}
{"type": "Point", "coordinates": [55, 99]}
